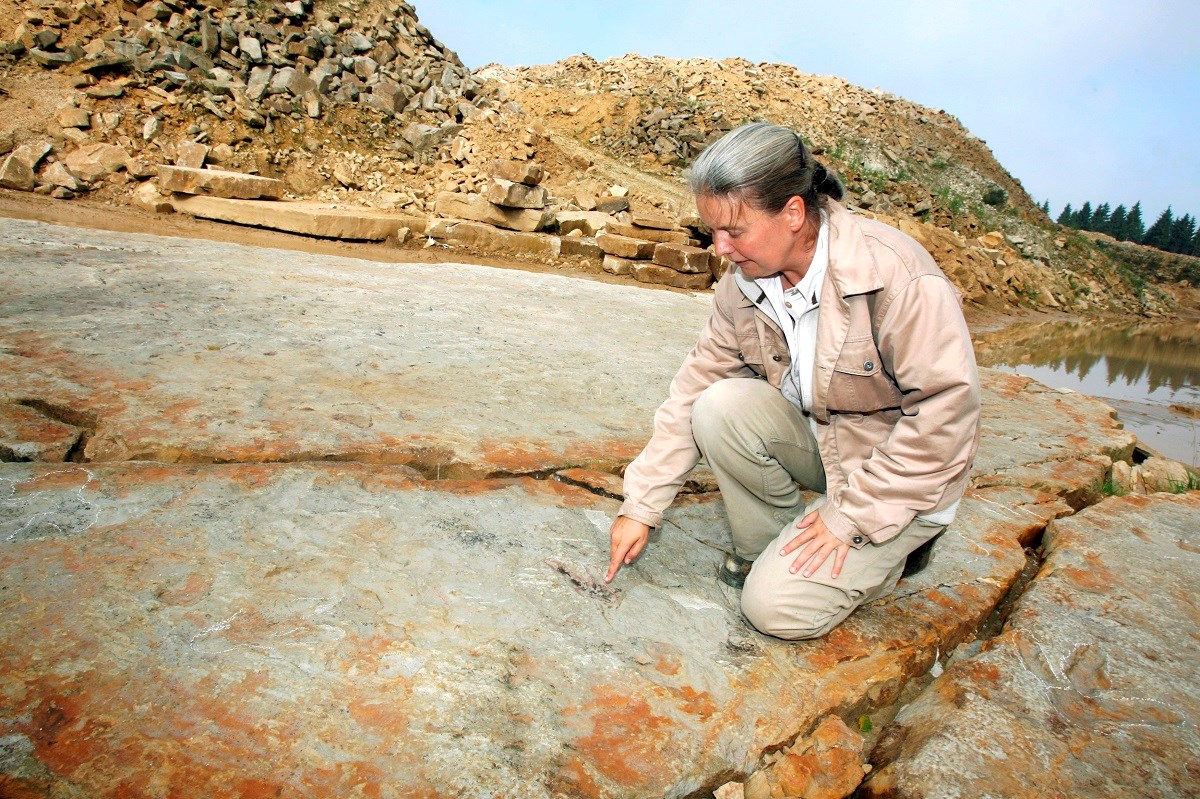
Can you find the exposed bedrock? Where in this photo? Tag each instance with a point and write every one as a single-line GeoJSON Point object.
{"type": "Point", "coordinates": [196, 597]}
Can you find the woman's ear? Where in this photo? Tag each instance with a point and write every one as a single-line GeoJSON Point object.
{"type": "Point", "coordinates": [796, 213]}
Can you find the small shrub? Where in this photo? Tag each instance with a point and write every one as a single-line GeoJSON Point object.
{"type": "Point", "coordinates": [995, 196]}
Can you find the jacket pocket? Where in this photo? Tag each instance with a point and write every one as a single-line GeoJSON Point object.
{"type": "Point", "coordinates": [750, 350]}
{"type": "Point", "coordinates": [859, 384]}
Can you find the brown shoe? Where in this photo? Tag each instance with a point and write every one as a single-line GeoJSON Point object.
{"type": "Point", "coordinates": [733, 571]}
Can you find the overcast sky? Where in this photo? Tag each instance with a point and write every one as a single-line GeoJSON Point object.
{"type": "Point", "coordinates": [1078, 100]}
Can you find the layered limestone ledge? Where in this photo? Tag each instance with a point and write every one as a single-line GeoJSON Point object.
{"type": "Point", "coordinates": [319, 629]}
{"type": "Point", "coordinates": [308, 219]}
{"type": "Point", "coordinates": [339, 627]}
{"type": "Point", "coordinates": [1090, 691]}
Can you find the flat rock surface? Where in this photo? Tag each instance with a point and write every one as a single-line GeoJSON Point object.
{"type": "Point", "coordinates": [263, 628]}
{"type": "Point", "coordinates": [301, 630]}
{"type": "Point", "coordinates": [1091, 690]}
{"type": "Point", "coordinates": [184, 350]}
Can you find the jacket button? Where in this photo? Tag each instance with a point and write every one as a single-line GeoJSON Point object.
{"type": "Point", "coordinates": [776, 358]}
{"type": "Point", "coordinates": [869, 365]}
{"type": "Point", "coordinates": [741, 357]}
{"type": "Point", "coordinates": [857, 539]}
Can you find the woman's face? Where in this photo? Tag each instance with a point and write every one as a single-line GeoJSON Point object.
{"type": "Point", "coordinates": [762, 244]}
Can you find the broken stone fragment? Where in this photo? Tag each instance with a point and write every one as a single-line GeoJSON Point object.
{"type": "Point", "coordinates": [618, 266]}
{"type": "Point", "coordinates": [51, 60]}
{"type": "Point", "coordinates": [251, 49]}
{"type": "Point", "coordinates": [666, 276]}
{"type": "Point", "coordinates": [58, 174]}
{"type": "Point", "coordinates": [16, 174]}
{"type": "Point", "coordinates": [625, 247]}
{"type": "Point", "coordinates": [475, 207]}
{"type": "Point", "coordinates": [578, 247]}
{"type": "Point", "coordinates": [190, 154]}
{"type": "Point", "coordinates": [28, 435]}
{"type": "Point", "coordinates": [72, 117]}
{"type": "Point", "coordinates": [485, 237]}
{"type": "Point", "coordinates": [527, 172]}
{"type": "Point", "coordinates": [682, 258]}
{"type": "Point", "coordinates": [648, 234]}
{"type": "Point", "coordinates": [148, 198]}
{"type": "Point", "coordinates": [611, 205]}
{"type": "Point", "coordinates": [515, 195]}
{"type": "Point", "coordinates": [589, 223]}
{"type": "Point", "coordinates": [91, 162]}
{"type": "Point", "coordinates": [824, 765]}
{"type": "Point", "coordinates": [652, 221]}
{"type": "Point", "coordinates": [218, 183]}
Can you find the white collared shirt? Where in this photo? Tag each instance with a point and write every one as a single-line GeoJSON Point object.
{"type": "Point", "coordinates": [796, 310]}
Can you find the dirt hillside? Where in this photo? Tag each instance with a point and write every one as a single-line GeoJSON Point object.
{"type": "Point", "coordinates": [357, 103]}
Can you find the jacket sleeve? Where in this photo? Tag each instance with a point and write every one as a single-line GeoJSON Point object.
{"type": "Point", "coordinates": [655, 476]}
{"type": "Point", "coordinates": [923, 340]}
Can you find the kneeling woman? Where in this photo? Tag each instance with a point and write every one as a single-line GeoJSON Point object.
{"type": "Point", "coordinates": [836, 357]}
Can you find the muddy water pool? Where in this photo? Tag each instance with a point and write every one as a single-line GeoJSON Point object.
{"type": "Point", "coordinates": [1150, 374]}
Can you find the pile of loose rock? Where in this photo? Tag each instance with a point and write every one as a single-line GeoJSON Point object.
{"type": "Point", "coordinates": [166, 67]}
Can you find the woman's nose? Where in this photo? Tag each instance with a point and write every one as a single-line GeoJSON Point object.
{"type": "Point", "coordinates": [721, 243]}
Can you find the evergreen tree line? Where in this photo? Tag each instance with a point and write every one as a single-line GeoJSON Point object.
{"type": "Point", "coordinates": [1169, 233]}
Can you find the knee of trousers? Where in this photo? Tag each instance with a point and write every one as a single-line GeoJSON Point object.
{"type": "Point", "coordinates": [811, 613]}
{"type": "Point", "coordinates": [719, 407]}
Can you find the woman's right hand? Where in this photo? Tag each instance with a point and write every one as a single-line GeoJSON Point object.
{"type": "Point", "coordinates": [629, 537]}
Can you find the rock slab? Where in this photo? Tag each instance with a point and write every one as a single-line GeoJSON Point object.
{"type": "Point", "coordinates": [1091, 690]}
{"type": "Point", "coordinates": [309, 219]}
{"type": "Point", "coordinates": [218, 183]}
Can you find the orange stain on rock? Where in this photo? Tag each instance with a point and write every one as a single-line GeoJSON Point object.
{"type": "Point", "coordinates": [627, 740]}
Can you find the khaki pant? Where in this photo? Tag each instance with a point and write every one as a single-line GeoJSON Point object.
{"type": "Point", "coordinates": [759, 447]}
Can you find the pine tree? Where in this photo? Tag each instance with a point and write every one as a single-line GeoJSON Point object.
{"type": "Point", "coordinates": [1182, 231]}
{"type": "Point", "coordinates": [1135, 229]}
{"type": "Point", "coordinates": [1195, 248]}
{"type": "Point", "coordinates": [1067, 217]}
{"type": "Point", "coordinates": [1159, 234]}
{"type": "Point", "coordinates": [1083, 220]}
{"type": "Point", "coordinates": [1100, 218]}
{"type": "Point", "coordinates": [1116, 222]}
{"type": "Point", "coordinates": [1045, 206]}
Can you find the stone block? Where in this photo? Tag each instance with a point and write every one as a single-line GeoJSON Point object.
{"type": "Point", "coordinates": [149, 198]}
{"type": "Point", "coordinates": [310, 219]}
{"type": "Point", "coordinates": [718, 265]}
{"type": "Point", "coordinates": [612, 205]}
{"type": "Point", "coordinates": [1163, 474]}
{"type": "Point", "coordinates": [515, 195]}
{"type": "Point", "coordinates": [527, 172]}
{"type": "Point", "coordinates": [218, 183]}
{"type": "Point", "coordinates": [476, 208]}
{"type": "Point", "coordinates": [589, 223]}
{"type": "Point", "coordinates": [652, 221]}
{"type": "Point", "coordinates": [648, 234]}
{"type": "Point", "coordinates": [190, 154]}
{"type": "Point", "coordinates": [58, 174]}
{"type": "Point", "coordinates": [682, 258]}
{"type": "Point", "coordinates": [16, 174]}
{"type": "Point", "coordinates": [583, 249]}
{"type": "Point", "coordinates": [625, 247]}
{"type": "Point", "coordinates": [72, 117]}
{"type": "Point", "coordinates": [618, 266]}
{"type": "Point", "coordinates": [666, 276]}
{"type": "Point", "coordinates": [31, 154]}
{"type": "Point", "coordinates": [483, 237]}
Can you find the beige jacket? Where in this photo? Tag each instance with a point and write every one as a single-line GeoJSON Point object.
{"type": "Point", "coordinates": [895, 386]}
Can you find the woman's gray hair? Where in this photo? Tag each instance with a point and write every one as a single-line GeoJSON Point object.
{"type": "Point", "coordinates": [765, 165]}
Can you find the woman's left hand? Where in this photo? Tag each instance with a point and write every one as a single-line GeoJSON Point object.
{"type": "Point", "coordinates": [815, 543]}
